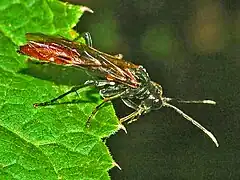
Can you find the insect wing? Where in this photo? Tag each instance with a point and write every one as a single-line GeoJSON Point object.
{"type": "Point", "coordinates": [62, 51]}
{"type": "Point", "coordinates": [39, 37]}
{"type": "Point", "coordinates": [56, 50]}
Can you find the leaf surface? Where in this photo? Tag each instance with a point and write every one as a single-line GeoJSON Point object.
{"type": "Point", "coordinates": [47, 142]}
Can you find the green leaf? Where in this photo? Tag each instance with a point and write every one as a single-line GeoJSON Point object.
{"type": "Point", "coordinates": [47, 142]}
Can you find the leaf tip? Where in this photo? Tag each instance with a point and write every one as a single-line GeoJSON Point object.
{"type": "Point", "coordinates": [86, 9]}
{"type": "Point", "coordinates": [121, 126]}
{"type": "Point", "coordinates": [116, 165]}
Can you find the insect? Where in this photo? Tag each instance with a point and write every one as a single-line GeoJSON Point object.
{"type": "Point", "coordinates": [118, 78]}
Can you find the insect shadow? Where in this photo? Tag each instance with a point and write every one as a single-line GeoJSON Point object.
{"type": "Point", "coordinates": [61, 75]}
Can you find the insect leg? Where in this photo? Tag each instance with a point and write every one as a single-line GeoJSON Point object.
{"type": "Point", "coordinates": [136, 114]}
{"type": "Point", "coordinates": [88, 39]}
{"type": "Point", "coordinates": [130, 103]}
{"type": "Point", "coordinates": [74, 89]}
{"type": "Point", "coordinates": [100, 105]}
{"type": "Point", "coordinates": [133, 116]}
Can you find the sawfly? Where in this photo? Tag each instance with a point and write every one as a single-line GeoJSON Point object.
{"type": "Point", "coordinates": [117, 78]}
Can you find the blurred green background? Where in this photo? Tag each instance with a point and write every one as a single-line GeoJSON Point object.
{"type": "Point", "coordinates": [192, 49]}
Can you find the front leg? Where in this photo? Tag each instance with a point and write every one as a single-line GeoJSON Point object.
{"type": "Point", "coordinates": [133, 116]}
{"type": "Point", "coordinates": [139, 110]}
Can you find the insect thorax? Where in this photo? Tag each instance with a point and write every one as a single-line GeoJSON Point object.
{"type": "Point", "coordinates": [147, 95]}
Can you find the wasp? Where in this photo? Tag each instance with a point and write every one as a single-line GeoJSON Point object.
{"type": "Point", "coordinates": [117, 78]}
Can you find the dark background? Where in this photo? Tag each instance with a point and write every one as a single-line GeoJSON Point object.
{"type": "Point", "coordinates": [191, 48]}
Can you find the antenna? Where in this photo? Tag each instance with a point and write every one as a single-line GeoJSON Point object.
{"type": "Point", "coordinates": [195, 123]}
{"type": "Point", "coordinates": [206, 101]}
